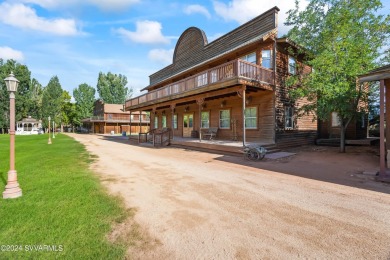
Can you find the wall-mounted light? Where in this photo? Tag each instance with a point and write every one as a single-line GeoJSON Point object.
{"type": "Point", "coordinates": [186, 109]}
{"type": "Point", "coordinates": [223, 103]}
{"type": "Point", "coordinates": [248, 100]}
{"type": "Point", "coordinates": [163, 112]}
{"type": "Point", "coordinates": [204, 105]}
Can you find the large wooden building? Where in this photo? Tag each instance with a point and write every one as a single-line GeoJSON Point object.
{"type": "Point", "coordinates": [112, 118]}
{"type": "Point", "coordinates": [235, 83]}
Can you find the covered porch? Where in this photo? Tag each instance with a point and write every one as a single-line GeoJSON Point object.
{"type": "Point", "coordinates": [382, 75]}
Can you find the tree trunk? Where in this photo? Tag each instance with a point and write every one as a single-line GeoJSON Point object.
{"type": "Point", "coordinates": [342, 139]}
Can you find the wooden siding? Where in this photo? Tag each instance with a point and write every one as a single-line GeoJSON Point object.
{"type": "Point", "coordinates": [202, 82]}
{"type": "Point", "coordinates": [192, 40]}
{"type": "Point", "coordinates": [262, 100]}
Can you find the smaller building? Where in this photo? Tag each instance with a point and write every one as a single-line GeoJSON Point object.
{"type": "Point", "coordinates": [111, 118]}
{"type": "Point", "coordinates": [28, 126]}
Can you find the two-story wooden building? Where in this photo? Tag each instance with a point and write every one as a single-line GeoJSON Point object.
{"type": "Point", "coordinates": [235, 83]}
{"type": "Point", "coordinates": [109, 118]}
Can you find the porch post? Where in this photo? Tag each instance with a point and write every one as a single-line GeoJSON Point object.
{"type": "Point", "coordinates": [173, 106]}
{"type": "Point", "coordinates": [243, 116]}
{"type": "Point", "coordinates": [382, 171]}
{"type": "Point", "coordinates": [130, 126]}
{"type": "Point", "coordinates": [140, 121]}
{"type": "Point", "coordinates": [200, 102]}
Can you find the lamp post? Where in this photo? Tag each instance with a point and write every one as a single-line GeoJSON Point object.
{"type": "Point", "coordinates": [12, 189]}
{"type": "Point", "coordinates": [49, 142]}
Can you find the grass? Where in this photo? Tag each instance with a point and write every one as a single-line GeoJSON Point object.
{"type": "Point", "coordinates": [63, 203]}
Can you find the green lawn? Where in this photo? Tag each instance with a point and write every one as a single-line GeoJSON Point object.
{"type": "Point", "coordinates": [63, 203]}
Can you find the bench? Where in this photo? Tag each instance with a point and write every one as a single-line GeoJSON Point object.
{"type": "Point", "coordinates": [211, 132]}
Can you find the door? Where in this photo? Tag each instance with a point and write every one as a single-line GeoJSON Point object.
{"type": "Point", "coordinates": [188, 124]}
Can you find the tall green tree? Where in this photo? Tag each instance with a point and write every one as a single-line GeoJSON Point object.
{"type": "Point", "coordinates": [112, 88]}
{"type": "Point", "coordinates": [344, 38]}
{"type": "Point", "coordinates": [84, 96]}
{"type": "Point", "coordinates": [52, 101]}
{"type": "Point", "coordinates": [67, 110]}
{"type": "Point", "coordinates": [25, 105]}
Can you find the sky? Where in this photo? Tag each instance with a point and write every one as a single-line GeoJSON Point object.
{"type": "Point", "coordinates": [75, 40]}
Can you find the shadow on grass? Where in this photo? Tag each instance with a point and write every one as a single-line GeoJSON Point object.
{"type": "Point", "coordinates": [3, 179]}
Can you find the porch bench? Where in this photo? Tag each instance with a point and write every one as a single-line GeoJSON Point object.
{"type": "Point", "coordinates": [211, 132]}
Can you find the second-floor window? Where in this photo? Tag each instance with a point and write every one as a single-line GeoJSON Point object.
{"type": "Point", "coordinates": [205, 119]}
{"type": "Point", "coordinates": [251, 57]}
{"type": "Point", "coordinates": [292, 65]}
{"type": "Point", "coordinates": [202, 79]}
{"type": "Point", "coordinates": [213, 77]}
{"type": "Point", "coordinates": [266, 59]}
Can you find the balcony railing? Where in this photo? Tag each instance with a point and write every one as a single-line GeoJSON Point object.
{"type": "Point", "coordinates": [226, 71]}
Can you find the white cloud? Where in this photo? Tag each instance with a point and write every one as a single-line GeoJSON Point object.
{"type": "Point", "coordinates": [105, 5]}
{"type": "Point", "coordinates": [162, 56]}
{"type": "Point", "coordinates": [8, 53]}
{"type": "Point", "coordinates": [25, 17]}
{"type": "Point", "coordinates": [191, 9]}
{"type": "Point", "coordinates": [244, 10]}
{"type": "Point", "coordinates": [146, 32]}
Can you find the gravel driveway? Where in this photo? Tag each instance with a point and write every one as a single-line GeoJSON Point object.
{"type": "Point", "coordinates": [316, 204]}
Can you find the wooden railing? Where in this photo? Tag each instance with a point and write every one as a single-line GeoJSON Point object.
{"type": "Point", "coordinates": [235, 68]}
{"type": "Point", "coordinates": [158, 137]}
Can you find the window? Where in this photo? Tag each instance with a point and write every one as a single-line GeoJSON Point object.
{"type": "Point", "coordinates": [155, 122]}
{"type": "Point", "coordinates": [291, 65]}
{"type": "Point", "coordinates": [164, 121]}
{"type": "Point", "coordinates": [251, 117]}
{"type": "Point", "coordinates": [266, 59]}
{"type": "Point", "coordinates": [174, 121]}
{"type": "Point", "coordinates": [289, 118]}
{"type": "Point", "coordinates": [202, 80]}
{"type": "Point", "coordinates": [205, 120]}
{"type": "Point", "coordinates": [213, 76]}
{"type": "Point", "coordinates": [335, 120]}
{"type": "Point", "coordinates": [224, 119]}
{"type": "Point", "coordinates": [251, 57]}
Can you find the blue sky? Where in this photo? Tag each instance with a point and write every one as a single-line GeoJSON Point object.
{"type": "Point", "coordinates": [75, 40]}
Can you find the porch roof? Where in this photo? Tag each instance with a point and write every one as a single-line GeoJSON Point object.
{"type": "Point", "coordinates": [376, 74]}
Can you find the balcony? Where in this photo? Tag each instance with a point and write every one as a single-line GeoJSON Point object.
{"type": "Point", "coordinates": [236, 69]}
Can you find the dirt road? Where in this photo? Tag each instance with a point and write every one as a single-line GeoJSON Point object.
{"type": "Point", "coordinates": [209, 206]}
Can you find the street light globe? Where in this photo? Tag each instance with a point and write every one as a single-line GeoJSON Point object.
{"type": "Point", "coordinates": [11, 82]}
{"type": "Point", "coordinates": [49, 118]}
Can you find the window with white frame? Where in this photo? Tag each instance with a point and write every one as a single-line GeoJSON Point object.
{"type": "Point", "coordinates": [164, 121]}
{"type": "Point", "coordinates": [336, 122]}
{"type": "Point", "coordinates": [251, 117]}
{"type": "Point", "coordinates": [224, 119]}
{"type": "Point", "coordinates": [202, 79]}
{"type": "Point", "coordinates": [205, 119]}
{"type": "Point", "coordinates": [289, 117]}
{"type": "Point", "coordinates": [266, 59]}
{"type": "Point", "coordinates": [213, 76]}
{"type": "Point", "coordinates": [292, 66]}
{"type": "Point", "coordinates": [155, 122]}
{"type": "Point", "coordinates": [174, 121]}
{"type": "Point", "coordinates": [251, 57]}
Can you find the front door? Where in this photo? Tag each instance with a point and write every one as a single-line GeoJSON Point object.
{"type": "Point", "coordinates": [188, 124]}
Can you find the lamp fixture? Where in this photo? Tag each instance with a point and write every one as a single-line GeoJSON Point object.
{"type": "Point", "coordinates": [223, 103]}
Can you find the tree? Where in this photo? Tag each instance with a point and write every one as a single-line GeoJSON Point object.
{"type": "Point", "coordinates": [112, 88]}
{"type": "Point", "coordinates": [85, 99]}
{"type": "Point", "coordinates": [52, 100]}
{"type": "Point", "coordinates": [343, 39]}
{"type": "Point", "coordinates": [67, 110]}
{"type": "Point", "coordinates": [25, 101]}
